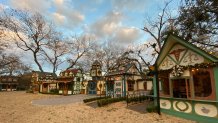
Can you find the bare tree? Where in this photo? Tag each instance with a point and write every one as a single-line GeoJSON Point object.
{"type": "Point", "coordinates": [79, 46]}
{"type": "Point", "coordinates": [5, 60]}
{"type": "Point", "coordinates": [12, 65]}
{"type": "Point", "coordinates": [111, 54]}
{"type": "Point", "coordinates": [31, 31]}
{"type": "Point", "coordinates": [145, 54]}
{"type": "Point", "coordinates": [154, 28]}
{"type": "Point", "coordinates": [55, 51]}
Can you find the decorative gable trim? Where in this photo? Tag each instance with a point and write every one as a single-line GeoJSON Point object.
{"type": "Point", "coordinates": [176, 51]}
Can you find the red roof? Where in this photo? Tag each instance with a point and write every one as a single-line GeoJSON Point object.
{"type": "Point", "coordinates": [65, 79]}
{"type": "Point", "coordinates": [74, 71]}
{"type": "Point", "coordinates": [71, 70]}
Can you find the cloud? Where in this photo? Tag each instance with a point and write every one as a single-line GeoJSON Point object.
{"type": "Point", "coordinates": [59, 19]}
{"type": "Point", "coordinates": [62, 12]}
{"type": "Point", "coordinates": [126, 35]}
{"type": "Point", "coordinates": [110, 28]}
{"type": "Point", "coordinates": [130, 5]}
{"type": "Point", "coordinates": [2, 7]}
{"type": "Point", "coordinates": [106, 25]}
{"type": "Point", "coordinates": [33, 5]}
{"type": "Point", "coordinates": [66, 14]}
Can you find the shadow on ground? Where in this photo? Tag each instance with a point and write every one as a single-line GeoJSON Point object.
{"type": "Point", "coordinates": [138, 107]}
{"type": "Point", "coordinates": [92, 104]}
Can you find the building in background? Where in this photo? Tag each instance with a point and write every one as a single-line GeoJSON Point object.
{"type": "Point", "coordinates": [43, 81]}
{"type": "Point", "coordinates": [123, 79]}
{"type": "Point", "coordinates": [87, 77]}
{"type": "Point", "coordinates": [97, 84]}
{"type": "Point", "coordinates": [9, 83]}
{"type": "Point", "coordinates": [70, 81]}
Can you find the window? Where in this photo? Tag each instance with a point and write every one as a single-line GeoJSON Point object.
{"type": "Point", "coordinates": [45, 85]}
{"type": "Point", "coordinates": [202, 82]}
{"type": "Point", "coordinates": [145, 86]}
{"type": "Point", "coordinates": [130, 85]}
{"type": "Point", "coordinates": [70, 85]}
{"type": "Point", "coordinates": [66, 74]}
{"type": "Point", "coordinates": [61, 86]}
{"type": "Point", "coordinates": [165, 86]}
{"type": "Point", "coordinates": [71, 73]}
{"type": "Point", "coordinates": [181, 88]}
{"type": "Point", "coordinates": [110, 85]}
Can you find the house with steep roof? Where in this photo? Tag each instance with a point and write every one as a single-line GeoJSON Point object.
{"type": "Point", "coordinates": [188, 80]}
{"type": "Point", "coordinates": [124, 79]}
{"type": "Point", "coordinates": [70, 81]}
{"type": "Point", "coordinates": [97, 84]}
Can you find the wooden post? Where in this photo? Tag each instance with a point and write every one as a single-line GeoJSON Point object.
{"type": "Point", "coordinates": [157, 88]}
{"type": "Point", "coordinates": [127, 100]}
{"type": "Point", "coordinates": [186, 86]}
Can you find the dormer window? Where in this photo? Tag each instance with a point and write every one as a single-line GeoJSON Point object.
{"type": "Point", "coordinates": [66, 74]}
{"type": "Point", "coordinates": [71, 73]}
{"type": "Point", "coordinates": [61, 74]}
{"type": "Point", "coordinates": [121, 68]}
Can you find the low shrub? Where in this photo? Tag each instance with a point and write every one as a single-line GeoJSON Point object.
{"type": "Point", "coordinates": [104, 102]}
{"type": "Point", "coordinates": [137, 99]}
{"type": "Point", "coordinates": [54, 91]}
{"type": "Point", "coordinates": [51, 93]}
{"type": "Point", "coordinates": [151, 108]}
{"type": "Point", "coordinates": [95, 98]}
{"type": "Point", "coordinates": [29, 91]}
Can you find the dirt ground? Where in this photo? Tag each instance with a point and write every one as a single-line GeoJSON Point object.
{"type": "Point", "coordinates": [16, 107]}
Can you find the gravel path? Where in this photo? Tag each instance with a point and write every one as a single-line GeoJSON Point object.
{"type": "Point", "coordinates": [62, 100]}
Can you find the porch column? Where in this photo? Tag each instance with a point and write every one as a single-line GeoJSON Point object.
{"type": "Point", "coordinates": [106, 88]}
{"type": "Point", "coordinates": [156, 90]}
{"type": "Point", "coordinates": [124, 86]}
{"type": "Point", "coordinates": [216, 80]}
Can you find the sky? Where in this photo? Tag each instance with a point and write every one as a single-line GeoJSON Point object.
{"type": "Point", "coordinates": [116, 21]}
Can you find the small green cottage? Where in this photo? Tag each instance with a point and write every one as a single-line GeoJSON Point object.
{"type": "Point", "coordinates": [188, 81]}
{"type": "Point", "coordinates": [125, 79]}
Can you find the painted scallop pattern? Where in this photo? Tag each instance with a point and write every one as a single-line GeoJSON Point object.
{"type": "Point", "coordinates": [206, 110]}
{"type": "Point", "coordinates": [182, 106]}
{"type": "Point", "coordinates": [165, 104]}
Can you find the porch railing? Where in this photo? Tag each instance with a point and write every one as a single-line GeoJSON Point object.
{"type": "Point", "coordinates": [138, 97]}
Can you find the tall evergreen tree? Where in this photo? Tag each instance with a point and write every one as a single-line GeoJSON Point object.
{"type": "Point", "coordinates": [198, 23]}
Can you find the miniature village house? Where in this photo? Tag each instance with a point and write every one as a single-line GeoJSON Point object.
{"type": "Point", "coordinates": [125, 79]}
{"type": "Point", "coordinates": [188, 78]}
{"type": "Point", "coordinates": [97, 84]}
{"type": "Point", "coordinates": [43, 81]}
{"type": "Point", "coordinates": [70, 81]}
{"type": "Point", "coordinates": [9, 83]}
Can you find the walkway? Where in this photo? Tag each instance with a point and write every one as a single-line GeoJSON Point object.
{"type": "Point", "coordinates": [62, 100]}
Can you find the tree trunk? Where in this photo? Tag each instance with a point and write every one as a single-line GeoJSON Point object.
{"type": "Point", "coordinates": [36, 61]}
